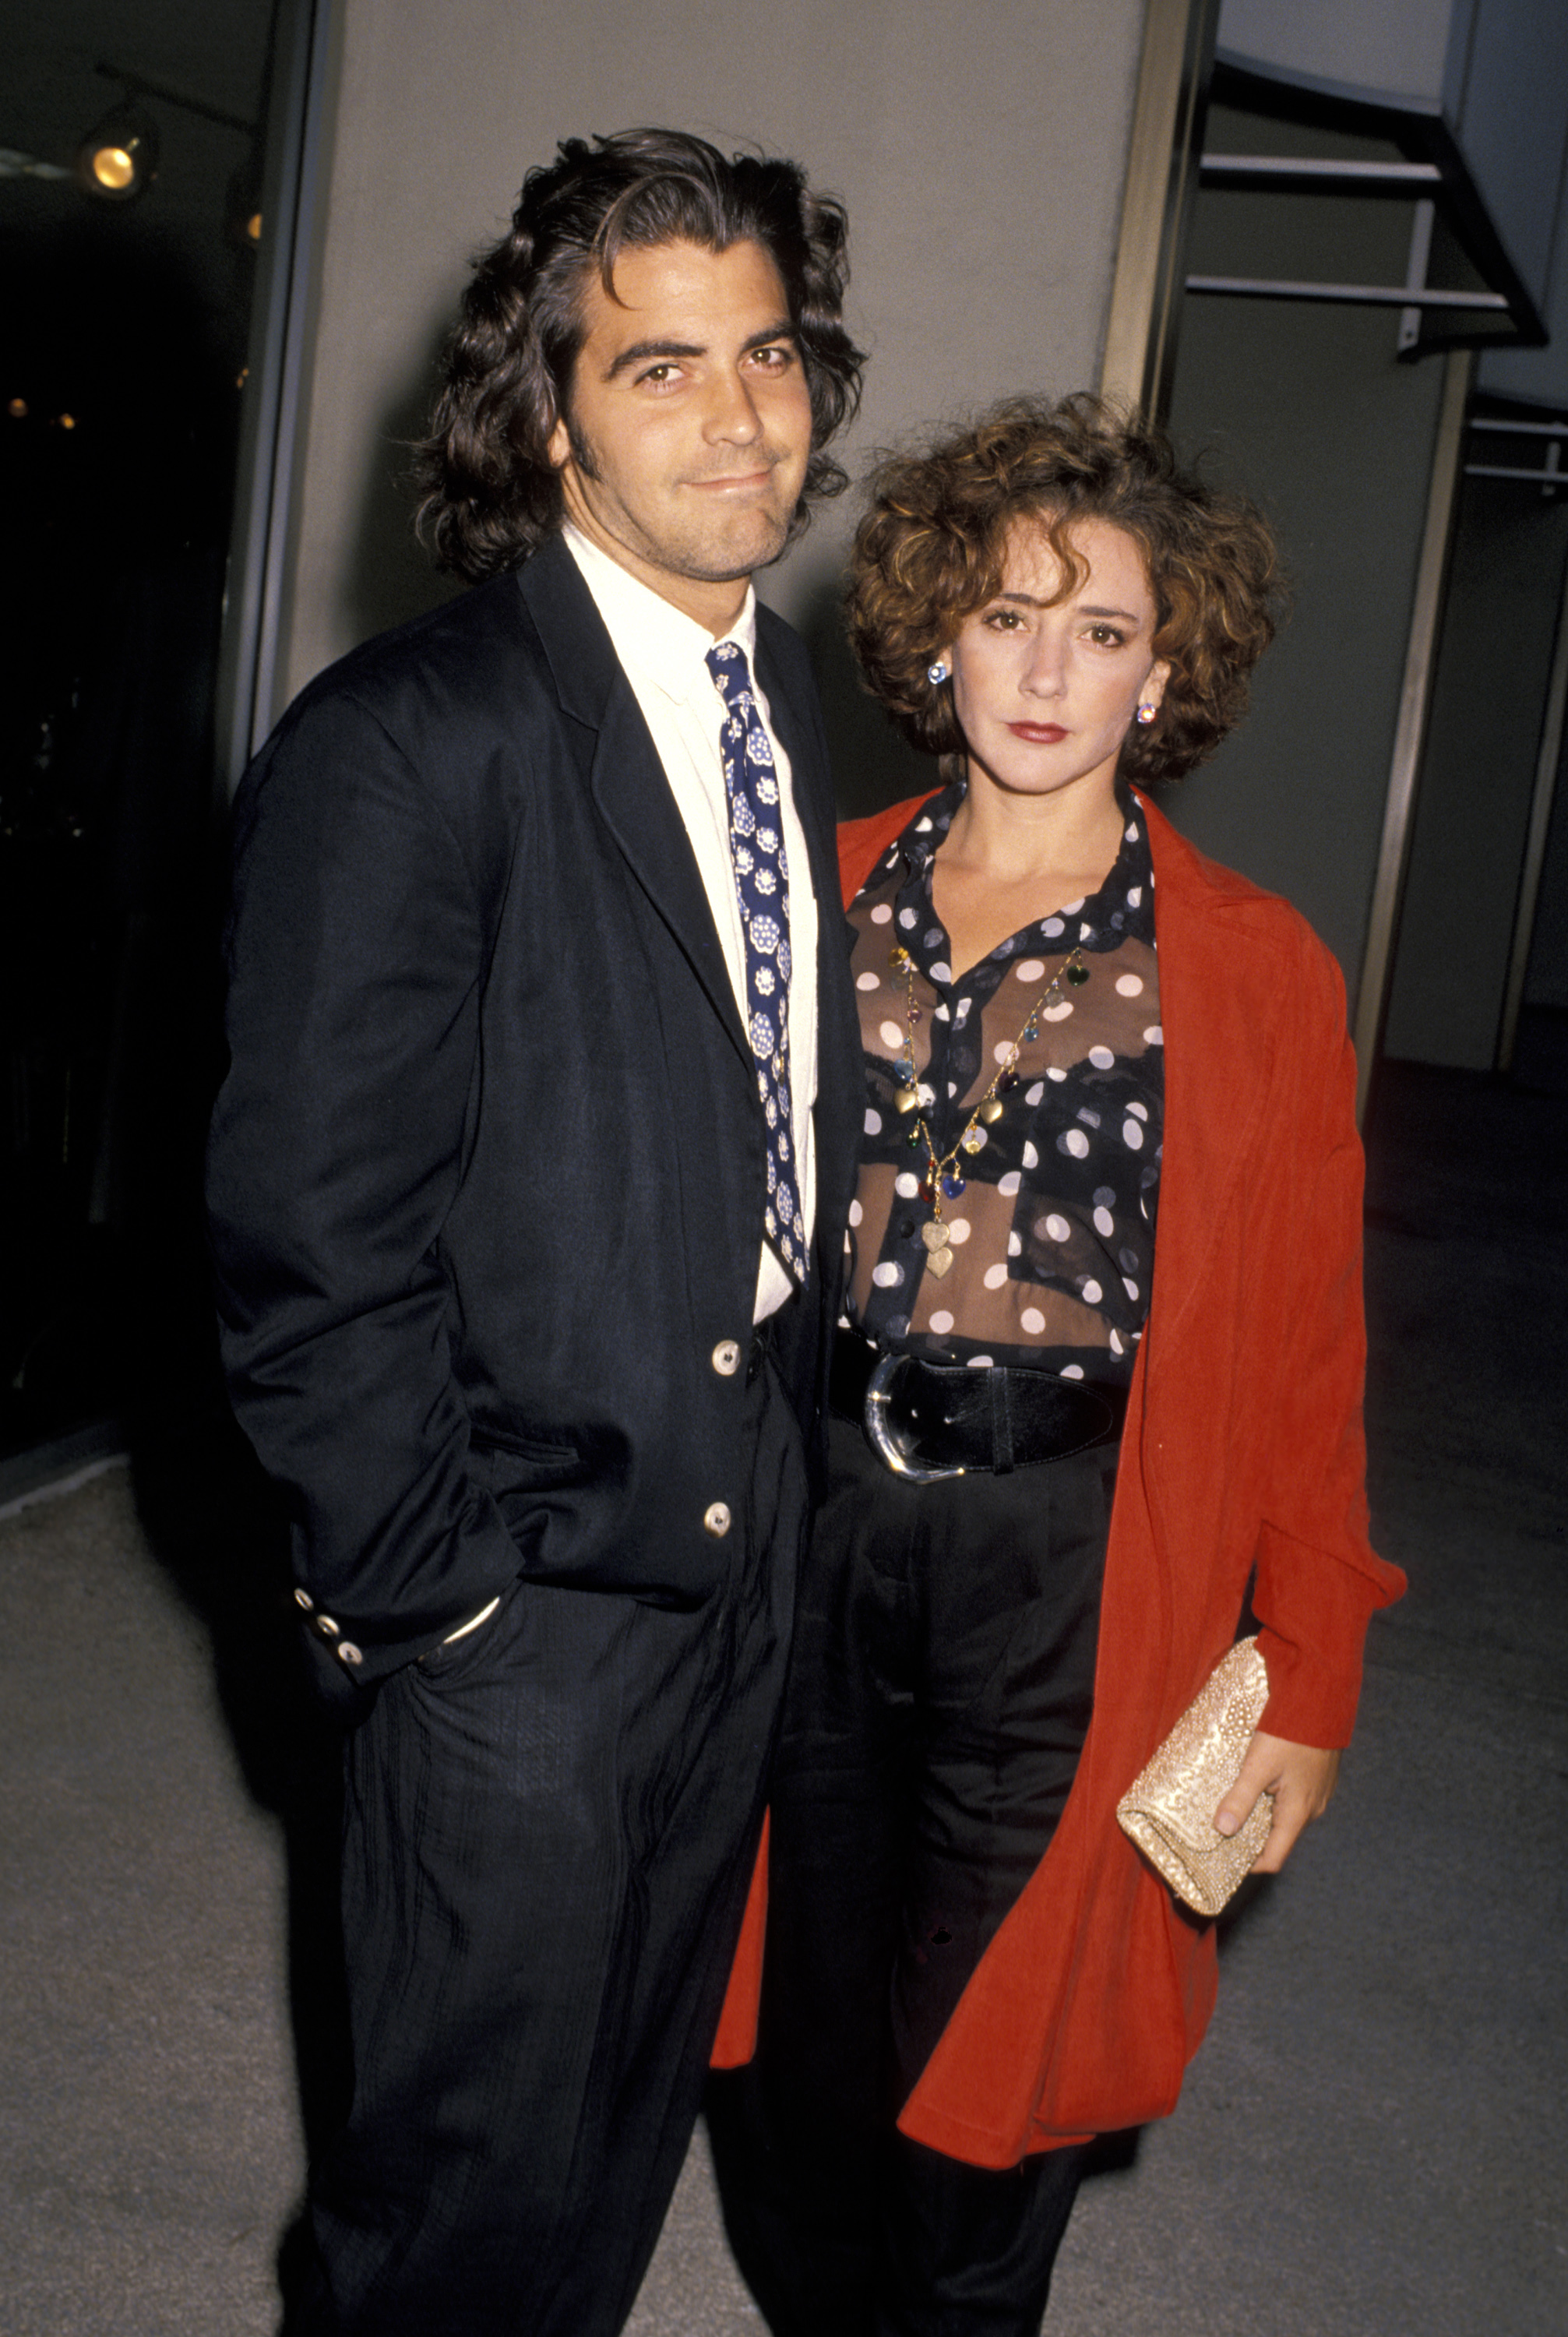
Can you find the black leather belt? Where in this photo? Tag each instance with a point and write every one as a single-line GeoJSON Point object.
{"type": "Point", "coordinates": [927, 1420]}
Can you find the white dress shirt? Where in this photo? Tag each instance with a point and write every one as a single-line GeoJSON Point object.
{"type": "Point", "coordinates": [663, 655]}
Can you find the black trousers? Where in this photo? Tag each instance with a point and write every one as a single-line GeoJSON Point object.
{"type": "Point", "coordinates": [549, 1834]}
{"type": "Point", "coordinates": [939, 1697]}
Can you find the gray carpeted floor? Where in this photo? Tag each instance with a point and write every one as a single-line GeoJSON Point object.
{"type": "Point", "coordinates": [1370, 2144]}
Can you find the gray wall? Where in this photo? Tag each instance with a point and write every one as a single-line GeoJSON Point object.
{"type": "Point", "coordinates": [1306, 407]}
{"type": "Point", "coordinates": [981, 157]}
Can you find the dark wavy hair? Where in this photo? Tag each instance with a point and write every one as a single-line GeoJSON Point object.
{"type": "Point", "coordinates": [931, 547]}
{"type": "Point", "coordinates": [491, 492]}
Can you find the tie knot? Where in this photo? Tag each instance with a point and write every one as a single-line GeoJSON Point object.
{"type": "Point", "coordinates": [727, 664]}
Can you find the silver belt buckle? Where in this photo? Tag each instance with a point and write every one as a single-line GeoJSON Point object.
{"type": "Point", "coordinates": [881, 1435]}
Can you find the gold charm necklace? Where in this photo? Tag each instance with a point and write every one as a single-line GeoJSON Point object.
{"type": "Point", "coordinates": [944, 1178]}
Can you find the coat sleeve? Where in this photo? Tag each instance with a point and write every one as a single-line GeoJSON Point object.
{"type": "Point", "coordinates": [356, 949]}
{"type": "Point", "coordinates": [1318, 1580]}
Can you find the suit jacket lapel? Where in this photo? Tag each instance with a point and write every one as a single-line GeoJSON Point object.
{"type": "Point", "coordinates": [623, 768]}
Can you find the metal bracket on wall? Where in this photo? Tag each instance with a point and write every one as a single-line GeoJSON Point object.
{"type": "Point", "coordinates": [1416, 270]}
{"type": "Point", "coordinates": [1330, 174]}
{"type": "Point", "coordinates": [1374, 295]}
{"type": "Point", "coordinates": [1548, 476]}
{"type": "Point", "coordinates": [1293, 174]}
{"type": "Point", "coordinates": [1421, 160]}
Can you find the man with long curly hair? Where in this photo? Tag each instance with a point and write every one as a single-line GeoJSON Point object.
{"type": "Point", "coordinates": [527, 1183]}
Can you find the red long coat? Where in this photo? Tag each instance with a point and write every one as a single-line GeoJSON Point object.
{"type": "Point", "coordinates": [1243, 1448]}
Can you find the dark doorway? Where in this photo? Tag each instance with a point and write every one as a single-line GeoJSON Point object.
{"type": "Point", "coordinates": [122, 352]}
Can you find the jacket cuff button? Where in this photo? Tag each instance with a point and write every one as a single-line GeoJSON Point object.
{"type": "Point", "coordinates": [303, 1601]}
{"type": "Point", "coordinates": [716, 1520]}
{"type": "Point", "coordinates": [326, 1626]}
{"type": "Point", "coordinates": [726, 1358]}
{"type": "Point", "coordinates": [348, 1653]}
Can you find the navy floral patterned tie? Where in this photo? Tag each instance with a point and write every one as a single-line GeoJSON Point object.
{"type": "Point", "coordinates": [763, 884]}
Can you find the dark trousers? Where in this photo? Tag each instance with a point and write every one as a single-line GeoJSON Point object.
{"type": "Point", "coordinates": [549, 1834]}
{"type": "Point", "coordinates": [939, 1695]}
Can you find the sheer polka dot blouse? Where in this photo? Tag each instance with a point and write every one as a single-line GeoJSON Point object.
{"type": "Point", "coordinates": [1049, 1208]}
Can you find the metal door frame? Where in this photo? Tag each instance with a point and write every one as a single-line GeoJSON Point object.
{"type": "Point", "coordinates": [282, 322]}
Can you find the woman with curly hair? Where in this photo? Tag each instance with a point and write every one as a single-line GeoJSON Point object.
{"type": "Point", "coordinates": [1097, 1387]}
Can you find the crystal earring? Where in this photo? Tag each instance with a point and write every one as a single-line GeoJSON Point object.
{"type": "Point", "coordinates": [1146, 713]}
{"type": "Point", "coordinates": [937, 673]}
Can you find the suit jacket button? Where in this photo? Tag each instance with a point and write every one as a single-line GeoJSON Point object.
{"type": "Point", "coordinates": [326, 1626]}
{"type": "Point", "coordinates": [349, 1654]}
{"type": "Point", "coordinates": [716, 1520]}
{"type": "Point", "coordinates": [726, 1358]}
{"type": "Point", "coordinates": [302, 1598]}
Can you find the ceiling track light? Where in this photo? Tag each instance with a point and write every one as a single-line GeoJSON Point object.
{"type": "Point", "coordinates": [118, 159]}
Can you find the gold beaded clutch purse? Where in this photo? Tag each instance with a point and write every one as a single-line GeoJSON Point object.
{"type": "Point", "coordinates": [1168, 1808]}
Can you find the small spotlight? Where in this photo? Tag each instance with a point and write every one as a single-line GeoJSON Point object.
{"type": "Point", "coordinates": [242, 207]}
{"type": "Point", "coordinates": [18, 409]}
{"type": "Point", "coordinates": [114, 168]}
{"type": "Point", "coordinates": [67, 422]}
{"type": "Point", "coordinates": [118, 160]}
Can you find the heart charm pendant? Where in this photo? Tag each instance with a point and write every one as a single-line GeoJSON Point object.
{"type": "Point", "coordinates": [934, 1235]}
{"type": "Point", "coordinates": [938, 1262]}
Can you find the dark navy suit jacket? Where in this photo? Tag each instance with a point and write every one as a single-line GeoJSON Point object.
{"type": "Point", "coordinates": [487, 1172]}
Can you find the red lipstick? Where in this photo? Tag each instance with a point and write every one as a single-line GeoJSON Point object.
{"type": "Point", "coordinates": [1038, 734]}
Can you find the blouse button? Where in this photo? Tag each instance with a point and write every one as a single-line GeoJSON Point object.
{"type": "Point", "coordinates": [726, 1358]}
{"type": "Point", "coordinates": [716, 1520]}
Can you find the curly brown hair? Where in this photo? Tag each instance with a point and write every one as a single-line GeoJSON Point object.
{"type": "Point", "coordinates": [492, 493]}
{"type": "Point", "coordinates": [931, 547]}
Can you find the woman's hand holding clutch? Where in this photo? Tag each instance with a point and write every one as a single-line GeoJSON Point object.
{"type": "Point", "coordinates": [1301, 1778]}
